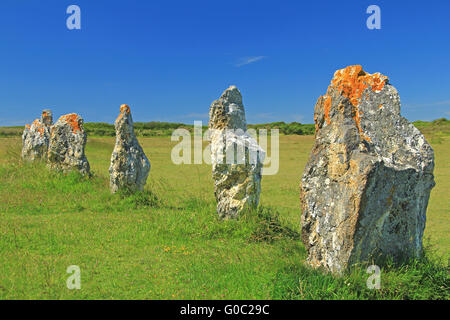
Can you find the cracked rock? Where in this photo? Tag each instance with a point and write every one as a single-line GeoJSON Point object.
{"type": "Point", "coordinates": [129, 167]}
{"type": "Point", "coordinates": [366, 185]}
{"type": "Point", "coordinates": [67, 143]}
{"type": "Point", "coordinates": [236, 157]}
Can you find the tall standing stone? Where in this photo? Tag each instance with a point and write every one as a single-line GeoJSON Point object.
{"type": "Point", "coordinates": [129, 167]}
{"type": "Point", "coordinates": [67, 143]}
{"type": "Point", "coordinates": [236, 157]}
{"type": "Point", "coordinates": [35, 138]}
{"type": "Point", "coordinates": [366, 185]}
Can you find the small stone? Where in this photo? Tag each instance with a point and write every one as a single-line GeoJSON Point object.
{"type": "Point", "coordinates": [236, 157]}
{"type": "Point", "coordinates": [35, 138]}
{"type": "Point", "coordinates": [369, 197]}
{"type": "Point", "coordinates": [129, 167]}
{"type": "Point", "coordinates": [47, 117]}
{"type": "Point", "coordinates": [67, 143]}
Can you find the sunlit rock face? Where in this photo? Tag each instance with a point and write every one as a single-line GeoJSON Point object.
{"type": "Point", "coordinates": [366, 185]}
{"type": "Point", "coordinates": [236, 157]}
{"type": "Point", "coordinates": [67, 143]}
{"type": "Point", "coordinates": [129, 167]}
{"type": "Point", "coordinates": [36, 137]}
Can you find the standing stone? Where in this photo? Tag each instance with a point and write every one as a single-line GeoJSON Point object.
{"type": "Point", "coordinates": [129, 167]}
{"type": "Point", "coordinates": [366, 185]}
{"type": "Point", "coordinates": [35, 138]}
{"type": "Point", "coordinates": [67, 143]}
{"type": "Point", "coordinates": [47, 117]}
{"type": "Point", "coordinates": [236, 157]}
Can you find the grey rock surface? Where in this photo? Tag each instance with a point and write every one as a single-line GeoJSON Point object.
{"type": "Point", "coordinates": [236, 157]}
{"type": "Point", "coordinates": [47, 117]}
{"type": "Point", "coordinates": [129, 167]}
{"type": "Point", "coordinates": [366, 185]}
{"type": "Point", "coordinates": [36, 137]}
{"type": "Point", "coordinates": [67, 143]}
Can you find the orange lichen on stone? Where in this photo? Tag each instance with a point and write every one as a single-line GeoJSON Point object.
{"type": "Point", "coordinates": [123, 109]}
{"type": "Point", "coordinates": [38, 126]}
{"type": "Point", "coordinates": [327, 107]}
{"type": "Point", "coordinates": [352, 81]}
{"type": "Point", "coordinates": [72, 120]}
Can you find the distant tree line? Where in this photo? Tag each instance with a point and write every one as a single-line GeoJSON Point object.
{"type": "Point", "coordinates": [156, 128]}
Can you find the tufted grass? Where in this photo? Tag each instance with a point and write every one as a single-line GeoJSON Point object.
{"type": "Point", "coordinates": [167, 243]}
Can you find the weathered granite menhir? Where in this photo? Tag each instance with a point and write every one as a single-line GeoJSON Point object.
{"type": "Point", "coordinates": [35, 138]}
{"type": "Point", "coordinates": [129, 167]}
{"type": "Point", "coordinates": [366, 185]}
{"type": "Point", "coordinates": [67, 143]}
{"type": "Point", "coordinates": [236, 157]}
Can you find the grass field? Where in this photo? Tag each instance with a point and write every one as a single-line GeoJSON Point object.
{"type": "Point", "coordinates": [166, 242]}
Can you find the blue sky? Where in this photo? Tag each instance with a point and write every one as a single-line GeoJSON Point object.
{"type": "Point", "coordinates": [170, 59]}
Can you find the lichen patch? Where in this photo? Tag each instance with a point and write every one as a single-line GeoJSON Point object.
{"type": "Point", "coordinates": [351, 82]}
{"type": "Point", "coordinates": [327, 106]}
{"type": "Point", "coordinates": [72, 120]}
{"type": "Point", "coordinates": [124, 108]}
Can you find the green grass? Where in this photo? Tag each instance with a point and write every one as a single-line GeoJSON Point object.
{"type": "Point", "coordinates": [435, 130]}
{"type": "Point", "coordinates": [167, 242]}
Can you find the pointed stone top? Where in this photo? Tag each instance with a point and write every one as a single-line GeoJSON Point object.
{"type": "Point", "coordinates": [47, 117]}
{"type": "Point", "coordinates": [124, 108]}
{"type": "Point", "coordinates": [232, 95]}
{"type": "Point", "coordinates": [124, 113]}
{"type": "Point", "coordinates": [228, 112]}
